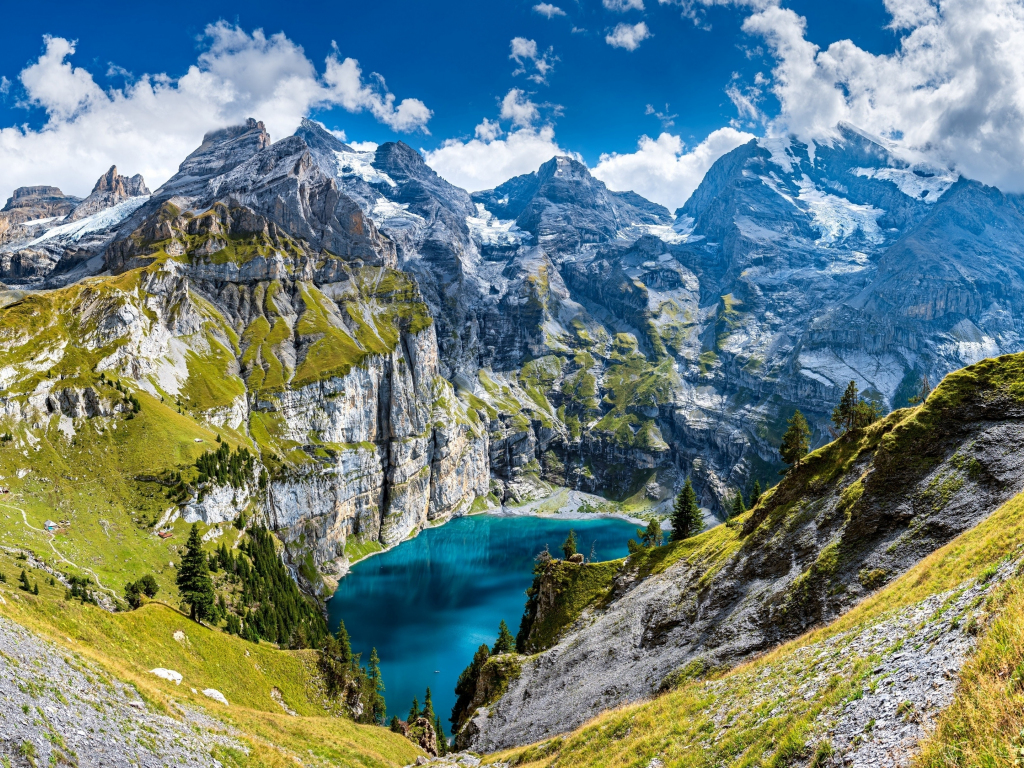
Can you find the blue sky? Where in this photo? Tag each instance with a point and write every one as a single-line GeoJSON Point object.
{"type": "Point", "coordinates": [453, 60]}
{"type": "Point", "coordinates": [454, 56]}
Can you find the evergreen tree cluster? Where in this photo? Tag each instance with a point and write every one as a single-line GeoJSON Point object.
{"type": "Point", "coordinates": [134, 590]}
{"type": "Point", "coordinates": [271, 607]}
{"type": "Point", "coordinates": [465, 686]}
{"type": "Point", "coordinates": [24, 585]}
{"type": "Point", "coordinates": [361, 689]}
{"type": "Point", "coordinates": [410, 729]}
{"type": "Point", "coordinates": [854, 412]}
{"type": "Point", "coordinates": [225, 466]}
{"type": "Point", "coordinates": [80, 589]}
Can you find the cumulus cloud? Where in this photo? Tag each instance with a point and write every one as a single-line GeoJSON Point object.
{"type": "Point", "coordinates": [488, 130]}
{"type": "Point", "coordinates": [517, 107]}
{"type": "Point", "coordinates": [628, 36]}
{"type": "Point", "coordinates": [549, 10]}
{"type": "Point", "coordinates": [624, 5]}
{"type": "Point", "coordinates": [477, 164]}
{"type": "Point", "coordinates": [662, 169]}
{"type": "Point", "coordinates": [954, 88]}
{"type": "Point", "coordinates": [526, 54]}
{"type": "Point", "coordinates": [150, 124]}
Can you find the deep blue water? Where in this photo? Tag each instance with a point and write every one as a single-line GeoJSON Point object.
{"type": "Point", "coordinates": [428, 603]}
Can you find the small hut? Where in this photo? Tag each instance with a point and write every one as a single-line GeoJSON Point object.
{"type": "Point", "coordinates": [50, 525]}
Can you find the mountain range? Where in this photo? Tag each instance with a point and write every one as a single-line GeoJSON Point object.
{"type": "Point", "coordinates": [587, 337]}
{"type": "Point", "coordinates": [377, 351]}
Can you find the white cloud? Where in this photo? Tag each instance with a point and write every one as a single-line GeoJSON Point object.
{"type": "Point", "coordinates": [624, 5]}
{"type": "Point", "coordinates": [628, 36]}
{"type": "Point", "coordinates": [477, 164]}
{"type": "Point", "coordinates": [363, 146]}
{"type": "Point", "coordinates": [525, 53]}
{"type": "Point", "coordinates": [954, 88]}
{"type": "Point", "coordinates": [517, 107]}
{"type": "Point", "coordinates": [662, 170]}
{"type": "Point", "coordinates": [151, 124]}
{"type": "Point", "coordinates": [549, 10]}
{"type": "Point", "coordinates": [488, 130]}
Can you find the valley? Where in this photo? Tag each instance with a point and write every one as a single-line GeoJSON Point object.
{"type": "Point", "coordinates": [316, 367]}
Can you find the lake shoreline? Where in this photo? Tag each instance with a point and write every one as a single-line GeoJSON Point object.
{"type": "Point", "coordinates": [569, 509]}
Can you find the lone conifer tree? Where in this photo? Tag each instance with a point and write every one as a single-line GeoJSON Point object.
{"type": "Point", "coordinates": [569, 545]}
{"type": "Point", "coordinates": [796, 441]}
{"type": "Point", "coordinates": [414, 711]}
{"type": "Point", "coordinates": [505, 642]}
{"type": "Point", "coordinates": [738, 507]}
{"type": "Point", "coordinates": [428, 708]}
{"type": "Point", "coordinates": [650, 537]}
{"type": "Point", "coordinates": [755, 494]}
{"type": "Point", "coordinates": [344, 644]}
{"type": "Point", "coordinates": [844, 415]}
{"type": "Point", "coordinates": [687, 520]}
{"type": "Point", "coordinates": [194, 582]}
{"type": "Point", "coordinates": [376, 710]}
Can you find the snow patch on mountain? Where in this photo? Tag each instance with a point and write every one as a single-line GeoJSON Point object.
{"type": "Point", "coordinates": [487, 229]}
{"type": "Point", "coordinates": [360, 165]}
{"type": "Point", "coordinates": [836, 218]}
{"type": "Point", "coordinates": [928, 186]}
{"type": "Point", "coordinates": [105, 219]}
{"type": "Point", "coordinates": [390, 215]}
{"type": "Point", "coordinates": [781, 151]}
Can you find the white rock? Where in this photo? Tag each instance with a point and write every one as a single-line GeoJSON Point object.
{"type": "Point", "coordinates": [167, 674]}
{"type": "Point", "coordinates": [216, 695]}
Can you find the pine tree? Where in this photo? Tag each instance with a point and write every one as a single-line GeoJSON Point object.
{"type": "Point", "coordinates": [442, 740]}
{"type": "Point", "coordinates": [396, 725]}
{"type": "Point", "coordinates": [35, 588]}
{"type": "Point", "coordinates": [755, 494]}
{"type": "Point", "coordinates": [569, 545]}
{"type": "Point", "coordinates": [24, 581]}
{"type": "Point", "coordinates": [376, 710]}
{"type": "Point", "coordinates": [428, 708]}
{"type": "Point", "coordinates": [844, 415]}
{"type": "Point", "coordinates": [344, 644]}
{"type": "Point", "coordinates": [194, 582]}
{"type": "Point", "coordinates": [651, 536]}
{"type": "Point", "coordinates": [687, 520]}
{"type": "Point", "coordinates": [505, 642]}
{"type": "Point", "coordinates": [796, 441]}
{"type": "Point", "coordinates": [414, 711]}
{"type": "Point", "coordinates": [738, 507]}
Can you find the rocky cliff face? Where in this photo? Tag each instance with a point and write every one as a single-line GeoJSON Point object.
{"type": "Point", "coordinates": [253, 294]}
{"type": "Point", "coordinates": [548, 329]}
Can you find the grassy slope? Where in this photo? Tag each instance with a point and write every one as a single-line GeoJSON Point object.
{"type": "Point", "coordinates": [677, 725]}
{"type": "Point", "coordinates": [127, 645]}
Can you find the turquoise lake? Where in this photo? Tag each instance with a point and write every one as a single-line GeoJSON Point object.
{"type": "Point", "coordinates": [428, 603]}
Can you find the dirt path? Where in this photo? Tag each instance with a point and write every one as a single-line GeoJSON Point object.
{"type": "Point", "coordinates": [57, 552]}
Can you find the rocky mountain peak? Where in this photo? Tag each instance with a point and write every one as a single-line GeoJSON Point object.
{"type": "Point", "coordinates": [563, 203]}
{"type": "Point", "coordinates": [26, 196]}
{"type": "Point", "coordinates": [32, 204]}
{"type": "Point", "coordinates": [123, 186]}
{"type": "Point", "coordinates": [318, 138]}
{"type": "Point", "coordinates": [223, 150]}
{"type": "Point", "coordinates": [110, 189]}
